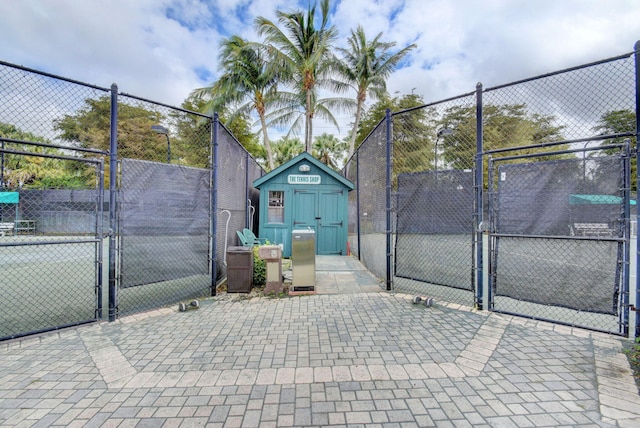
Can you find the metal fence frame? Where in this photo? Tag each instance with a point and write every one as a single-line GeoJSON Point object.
{"type": "Point", "coordinates": [93, 235]}
{"type": "Point", "coordinates": [22, 112]}
{"type": "Point", "coordinates": [480, 301]}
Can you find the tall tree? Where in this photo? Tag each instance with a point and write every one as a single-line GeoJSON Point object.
{"type": "Point", "coordinates": [329, 150]}
{"type": "Point", "coordinates": [193, 137]}
{"type": "Point", "coordinates": [305, 53]}
{"type": "Point", "coordinates": [90, 127]}
{"type": "Point", "coordinates": [38, 171]}
{"type": "Point", "coordinates": [365, 65]}
{"type": "Point", "coordinates": [286, 149]}
{"type": "Point", "coordinates": [249, 83]}
{"type": "Point", "coordinates": [619, 122]}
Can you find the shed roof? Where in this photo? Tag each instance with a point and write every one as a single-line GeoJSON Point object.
{"type": "Point", "coordinates": [303, 157]}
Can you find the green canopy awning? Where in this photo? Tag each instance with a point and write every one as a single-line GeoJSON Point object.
{"type": "Point", "coordinates": [596, 200]}
{"type": "Point", "coordinates": [9, 197]}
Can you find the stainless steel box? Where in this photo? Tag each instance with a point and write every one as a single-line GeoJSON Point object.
{"type": "Point", "coordinates": [303, 260]}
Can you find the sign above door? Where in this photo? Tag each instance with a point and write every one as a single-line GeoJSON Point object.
{"type": "Point", "coordinates": [303, 179]}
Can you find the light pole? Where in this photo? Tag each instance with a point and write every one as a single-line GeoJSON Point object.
{"type": "Point", "coordinates": [164, 131]}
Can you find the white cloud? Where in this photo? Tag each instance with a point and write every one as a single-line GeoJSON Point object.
{"type": "Point", "coordinates": [163, 49]}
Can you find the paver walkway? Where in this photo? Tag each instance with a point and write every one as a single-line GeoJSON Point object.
{"type": "Point", "coordinates": [351, 359]}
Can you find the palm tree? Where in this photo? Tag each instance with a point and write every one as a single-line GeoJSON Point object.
{"type": "Point", "coordinates": [328, 150]}
{"type": "Point", "coordinates": [249, 79]}
{"type": "Point", "coordinates": [366, 64]}
{"type": "Point", "coordinates": [286, 149]}
{"type": "Point", "coordinates": [304, 51]}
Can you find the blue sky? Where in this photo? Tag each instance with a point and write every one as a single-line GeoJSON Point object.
{"type": "Point", "coordinates": [163, 49]}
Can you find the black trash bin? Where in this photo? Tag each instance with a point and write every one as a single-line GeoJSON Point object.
{"type": "Point", "coordinates": [239, 269]}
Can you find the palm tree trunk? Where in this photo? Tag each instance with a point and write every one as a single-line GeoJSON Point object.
{"type": "Point", "coordinates": [356, 124]}
{"type": "Point", "coordinates": [308, 118]}
{"type": "Point", "coordinates": [267, 143]}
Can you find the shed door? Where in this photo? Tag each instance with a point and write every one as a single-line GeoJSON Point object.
{"type": "Point", "coordinates": [321, 211]}
{"type": "Point", "coordinates": [331, 222]}
{"type": "Point", "coordinates": [305, 208]}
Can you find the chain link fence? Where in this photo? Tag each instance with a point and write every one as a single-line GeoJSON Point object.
{"type": "Point", "coordinates": [154, 245]}
{"type": "Point", "coordinates": [50, 244]}
{"type": "Point", "coordinates": [446, 243]}
{"type": "Point", "coordinates": [237, 199]}
{"type": "Point", "coordinates": [164, 203]}
{"type": "Point", "coordinates": [433, 161]}
{"type": "Point", "coordinates": [51, 205]}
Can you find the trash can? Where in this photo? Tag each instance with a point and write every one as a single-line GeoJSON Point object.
{"type": "Point", "coordinates": [239, 269]}
{"type": "Point", "coordinates": [303, 260]}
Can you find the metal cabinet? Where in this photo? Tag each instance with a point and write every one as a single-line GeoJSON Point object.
{"type": "Point", "coordinates": [303, 260]}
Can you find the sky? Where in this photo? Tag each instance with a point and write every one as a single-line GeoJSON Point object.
{"type": "Point", "coordinates": [163, 49]}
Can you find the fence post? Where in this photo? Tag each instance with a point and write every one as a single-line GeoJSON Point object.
{"type": "Point", "coordinates": [388, 196]}
{"type": "Point", "coordinates": [113, 162]}
{"type": "Point", "coordinates": [357, 155]}
{"type": "Point", "coordinates": [247, 211]}
{"type": "Point", "coordinates": [479, 201]}
{"type": "Point", "coordinates": [214, 202]}
{"type": "Point", "coordinates": [637, 70]}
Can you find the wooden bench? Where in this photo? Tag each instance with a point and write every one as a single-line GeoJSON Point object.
{"type": "Point", "coordinates": [7, 227]}
{"type": "Point", "coordinates": [591, 229]}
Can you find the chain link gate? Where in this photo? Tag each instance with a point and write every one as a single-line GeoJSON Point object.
{"type": "Point", "coordinates": [434, 203]}
{"type": "Point", "coordinates": [51, 242]}
{"type": "Point", "coordinates": [559, 235]}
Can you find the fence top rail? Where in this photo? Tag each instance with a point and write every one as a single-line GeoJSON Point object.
{"type": "Point", "coordinates": [54, 146]}
{"type": "Point", "coordinates": [558, 143]}
{"type": "Point", "coordinates": [146, 100]}
{"type": "Point", "coordinates": [435, 103]}
{"type": "Point", "coordinates": [566, 70]}
{"type": "Point", "coordinates": [54, 76]}
{"type": "Point", "coordinates": [51, 156]}
{"type": "Point", "coordinates": [560, 152]}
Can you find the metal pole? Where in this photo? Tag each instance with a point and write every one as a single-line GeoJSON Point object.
{"type": "Point", "coordinates": [637, 64]}
{"type": "Point", "coordinates": [2, 167]}
{"type": "Point", "coordinates": [113, 161]}
{"type": "Point", "coordinates": [626, 214]}
{"type": "Point", "coordinates": [247, 213]}
{"type": "Point", "coordinates": [168, 149]}
{"type": "Point", "coordinates": [214, 201]}
{"type": "Point", "coordinates": [479, 201]}
{"type": "Point", "coordinates": [358, 202]}
{"type": "Point", "coordinates": [388, 197]}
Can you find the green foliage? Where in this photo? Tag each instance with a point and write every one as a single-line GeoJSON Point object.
{"type": "Point", "coordinates": [329, 150]}
{"type": "Point", "coordinates": [248, 84]}
{"type": "Point", "coordinates": [286, 149]}
{"type": "Point", "coordinates": [259, 268]}
{"type": "Point", "coordinates": [89, 127]}
{"type": "Point", "coordinates": [37, 172]}
{"type": "Point", "coordinates": [633, 354]}
{"type": "Point", "coordinates": [618, 122]}
{"type": "Point", "coordinates": [375, 113]}
{"type": "Point", "coordinates": [365, 66]}
{"type": "Point", "coordinates": [303, 51]}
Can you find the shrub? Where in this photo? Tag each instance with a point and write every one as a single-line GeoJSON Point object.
{"type": "Point", "coordinates": [259, 269]}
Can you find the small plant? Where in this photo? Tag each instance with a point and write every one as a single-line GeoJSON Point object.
{"type": "Point", "coordinates": [633, 354]}
{"type": "Point", "coordinates": [259, 269]}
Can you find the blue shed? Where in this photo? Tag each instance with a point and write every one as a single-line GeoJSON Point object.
{"type": "Point", "coordinates": [304, 193]}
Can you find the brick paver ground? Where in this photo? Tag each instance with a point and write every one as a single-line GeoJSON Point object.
{"type": "Point", "coordinates": [357, 359]}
